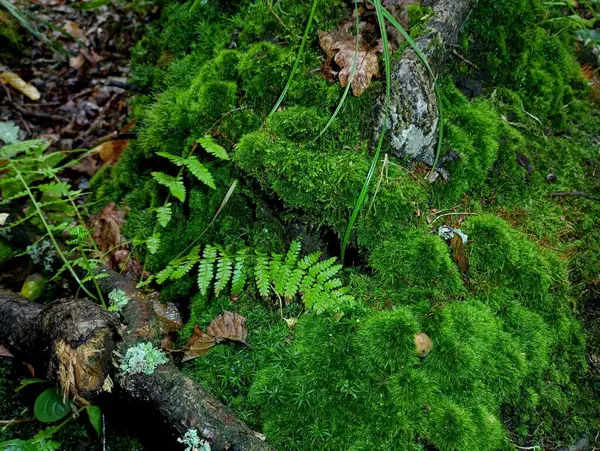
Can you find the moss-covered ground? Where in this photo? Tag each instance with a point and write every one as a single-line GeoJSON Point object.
{"type": "Point", "coordinates": [509, 364]}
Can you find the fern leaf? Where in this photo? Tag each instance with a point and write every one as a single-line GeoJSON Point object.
{"type": "Point", "coordinates": [224, 271]}
{"type": "Point", "coordinates": [206, 268]}
{"type": "Point", "coordinates": [291, 258]}
{"type": "Point", "coordinates": [175, 184]}
{"type": "Point", "coordinates": [164, 214]}
{"type": "Point", "coordinates": [179, 161]}
{"type": "Point", "coordinates": [293, 283]}
{"type": "Point", "coordinates": [307, 283]}
{"type": "Point", "coordinates": [261, 274]}
{"type": "Point", "coordinates": [153, 243]}
{"type": "Point", "coordinates": [309, 260]}
{"type": "Point", "coordinates": [182, 270]}
{"type": "Point", "coordinates": [209, 144]}
{"type": "Point", "coordinates": [200, 172]}
{"type": "Point", "coordinates": [238, 280]}
{"type": "Point", "coordinates": [332, 284]}
{"type": "Point", "coordinates": [328, 272]}
{"type": "Point", "coordinates": [164, 274]}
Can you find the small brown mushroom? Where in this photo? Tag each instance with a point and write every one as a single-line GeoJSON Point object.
{"type": "Point", "coordinates": [422, 344]}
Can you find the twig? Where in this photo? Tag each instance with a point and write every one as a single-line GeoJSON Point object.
{"type": "Point", "coordinates": [38, 114]}
{"type": "Point", "coordinates": [575, 194]}
{"type": "Point", "coordinates": [453, 214]}
{"type": "Point", "coordinates": [12, 422]}
{"type": "Point", "coordinates": [455, 53]}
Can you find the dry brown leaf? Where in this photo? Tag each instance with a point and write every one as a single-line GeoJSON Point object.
{"type": "Point", "coordinates": [107, 233]}
{"type": "Point", "coordinates": [73, 29]}
{"type": "Point", "coordinates": [76, 61]}
{"type": "Point", "coordinates": [340, 47]}
{"type": "Point", "coordinates": [5, 352]}
{"type": "Point", "coordinates": [228, 326]}
{"type": "Point", "coordinates": [199, 344]}
{"type": "Point", "coordinates": [20, 85]}
{"type": "Point", "coordinates": [458, 253]}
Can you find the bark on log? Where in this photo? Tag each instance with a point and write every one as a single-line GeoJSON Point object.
{"type": "Point", "coordinates": [182, 402]}
{"type": "Point", "coordinates": [72, 340]}
{"type": "Point", "coordinates": [413, 116]}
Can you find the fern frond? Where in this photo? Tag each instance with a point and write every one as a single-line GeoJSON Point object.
{"type": "Point", "coordinates": [210, 145]}
{"type": "Point", "coordinates": [293, 283]}
{"type": "Point", "coordinates": [238, 281]}
{"type": "Point", "coordinates": [261, 274]}
{"type": "Point", "coordinates": [224, 272]}
{"type": "Point", "coordinates": [164, 274]}
{"type": "Point", "coordinates": [164, 214]}
{"type": "Point", "coordinates": [206, 268]}
{"type": "Point", "coordinates": [175, 159]}
{"type": "Point", "coordinates": [200, 172]}
{"type": "Point", "coordinates": [175, 184]}
{"type": "Point", "coordinates": [309, 260]}
{"type": "Point", "coordinates": [292, 254]}
{"type": "Point", "coordinates": [153, 243]}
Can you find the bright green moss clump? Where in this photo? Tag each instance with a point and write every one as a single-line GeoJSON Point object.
{"type": "Point", "coordinates": [508, 357]}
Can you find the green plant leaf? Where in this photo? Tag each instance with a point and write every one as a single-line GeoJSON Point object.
{"type": "Point", "coordinates": [211, 146]}
{"type": "Point", "coordinates": [164, 214]}
{"type": "Point", "coordinates": [153, 243]}
{"type": "Point", "coordinates": [26, 382]}
{"type": "Point", "coordinates": [175, 159]}
{"type": "Point", "coordinates": [200, 172]}
{"type": "Point", "coordinates": [175, 184]}
{"type": "Point", "coordinates": [95, 417]}
{"type": "Point", "coordinates": [50, 407]}
{"type": "Point", "coordinates": [18, 445]}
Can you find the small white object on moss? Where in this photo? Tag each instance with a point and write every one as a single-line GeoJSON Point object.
{"type": "Point", "coordinates": [192, 441]}
{"type": "Point", "coordinates": [118, 300]}
{"type": "Point", "coordinates": [142, 358]}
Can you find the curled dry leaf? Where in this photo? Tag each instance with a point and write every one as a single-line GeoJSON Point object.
{"type": "Point", "coordinates": [199, 344]}
{"type": "Point", "coordinates": [228, 326]}
{"type": "Point", "coordinates": [5, 352]}
{"type": "Point", "coordinates": [458, 253]}
{"type": "Point", "coordinates": [19, 84]}
{"type": "Point", "coordinates": [107, 233]}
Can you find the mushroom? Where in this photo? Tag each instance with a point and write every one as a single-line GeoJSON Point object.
{"type": "Point", "coordinates": [422, 344]}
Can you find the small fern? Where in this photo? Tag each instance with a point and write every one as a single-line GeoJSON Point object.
{"type": "Point", "coordinates": [286, 276]}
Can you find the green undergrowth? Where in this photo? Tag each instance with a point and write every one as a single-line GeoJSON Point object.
{"type": "Point", "coordinates": [508, 363]}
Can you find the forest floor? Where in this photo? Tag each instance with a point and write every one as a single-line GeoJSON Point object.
{"type": "Point", "coordinates": [87, 107]}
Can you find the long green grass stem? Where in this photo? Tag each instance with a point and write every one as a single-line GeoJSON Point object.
{"type": "Point", "coordinates": [298, 57]}
{"type": "Point", "coordinates": [49, 231]}
{"type": "Point", "coordinates": [388, 78]}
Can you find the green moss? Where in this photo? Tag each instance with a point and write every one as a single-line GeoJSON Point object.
{"type": "Point", "coordinates": [507, 348]}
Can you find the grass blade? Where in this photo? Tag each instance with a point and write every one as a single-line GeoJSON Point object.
{"type": "Point", "coordinates": [388, 78]}
{"type": "Point", "coordinates": [350, 80]}
{"type": "Point", "coordinates": [298, 57]}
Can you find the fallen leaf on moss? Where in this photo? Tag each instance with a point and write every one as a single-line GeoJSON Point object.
{"type": "Point", "coordinates": [19, 84]}
{"type": "Point", "coordinates": [340, 47]}
{"type": "Point", "coordinates": [458, 253]}
{"type": "Point", "coordinates": [111, 151]}
{"type": "Point", "coordinates": [107, 233]}
{"type": "Point", "coordinates": [198, 345]}
{"type": "Point", "coordinates": [228, 326]}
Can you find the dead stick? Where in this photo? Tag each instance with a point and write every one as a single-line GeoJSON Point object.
{"type": "Point", "coordinates": [575, 194]}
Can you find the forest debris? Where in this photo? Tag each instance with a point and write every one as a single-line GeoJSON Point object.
{"type": "Point", "coordinates": [19, 84]}
{"type": "Point", "coordinates": [228, 326]}
{"type": "Point", "coordinates": [107, 233]}
{"type": "Point", "coordinates": [168, 316]}
{"type": "Point", "coordinates": [340, 47]}
{"type": "Point", "coordinates": [198, 345]}
{"type": "Point", "coordinates": [111, 151]}
{"type": "Point", "coordinates": [458, 253]}
{"type": "Point", "coordinates": [5, 352]}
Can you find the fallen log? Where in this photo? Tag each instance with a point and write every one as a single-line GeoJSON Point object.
{"type": "Point", "coordinates": [90, 336]}
{"type": "Point", "coordinates": [413, 115]}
